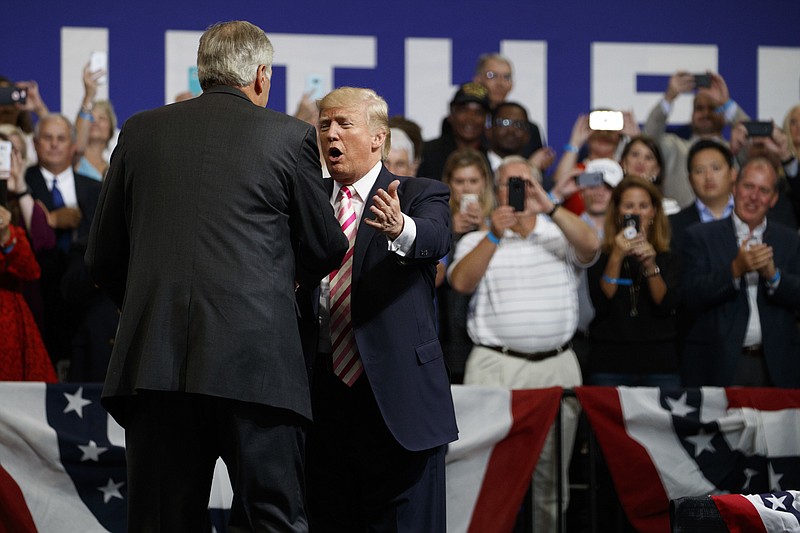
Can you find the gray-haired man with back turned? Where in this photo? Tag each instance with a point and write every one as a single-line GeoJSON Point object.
{"type": "Point", "coordinates": [211, 216]}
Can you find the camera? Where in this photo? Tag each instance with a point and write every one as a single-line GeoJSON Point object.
{"type": "Point", "coordinates": [466, 200]}
{"type": "Point", "coordinates": [630, 226]}
{"type": "Point", "coordinates": [13, 95]}
{"type": "Point", "coordinates": [758, 128]}
{"type": "Point", "coordinates": [702, 80]}
{"type": "Point", "coordinates": [589, 179]}
{"type": "Point", "coordinates": [606, 120]}
{"type": "Point", "coordinates": [516, 193]}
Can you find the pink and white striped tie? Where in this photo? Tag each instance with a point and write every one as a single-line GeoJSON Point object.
{"type": "Point", "coordinates": [346, 362]}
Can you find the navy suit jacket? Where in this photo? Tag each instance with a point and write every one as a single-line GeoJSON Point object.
{"type": "Point", "coordinates": [709, 291]}
{"type": "Point", "coordinates": [394, 319]}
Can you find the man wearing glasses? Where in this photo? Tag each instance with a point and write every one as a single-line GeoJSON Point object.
{"type": "Point", "coordinates": [495, 72]}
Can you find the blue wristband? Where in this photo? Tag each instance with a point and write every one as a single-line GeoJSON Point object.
{"type": "Point", "coordinates": [617, 281]}
{"type": "Point", "coordinates": [86, 116]}
{"type": "Point", "coordinates": [493, 238]}
{"type": "Point", "coordinates": [776, 278]}
{"type": "Point", "coordinates": [571, 148]}
{"type": "Point", "coordinates": [7, 250]}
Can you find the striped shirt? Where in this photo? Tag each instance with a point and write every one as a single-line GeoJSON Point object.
{"type": "Point", "coordinates": [527, 300]}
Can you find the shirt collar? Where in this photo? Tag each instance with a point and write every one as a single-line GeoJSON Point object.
{"type": "Point", "coordinates": [63, 176]}
{"type": "Point", "coordinates": [743, 230]}
{"type": "Point", "coordinates": [706, 215]}
{"type": "Point", "coordinates": [362, 186]}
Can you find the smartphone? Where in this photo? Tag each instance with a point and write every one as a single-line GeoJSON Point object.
{"type": "Point", "coordinates": [758, 128]}
{"type": "Point", "coordinates": [516, 193]}
{"type": "Point", "coordinates": [630, 225]}
{"type": "Point", "coordinates": [5, 170]}
{"type": "Point", "coordinates": [314, 86]}
{"type": "Point", "coordinates": [702, 80]}
{"type": "Point", "coordinates": [589, 179]}
{"type": "Point", "coordinates": [606, 120]}
{"type": "Point", "coordinates": [99, 61]}
{"type": "Point", "coordinates": [13, 95]}
{"type": "Point", "coordinates": [466, 200]}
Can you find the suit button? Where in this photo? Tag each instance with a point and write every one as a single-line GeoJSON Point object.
{"type": "Point", "coordinates": [425, 253]}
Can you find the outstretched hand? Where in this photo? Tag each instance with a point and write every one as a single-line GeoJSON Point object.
{"type": "Point", "coordinates": [386, 208]}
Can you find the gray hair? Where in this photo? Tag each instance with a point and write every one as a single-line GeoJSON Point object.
{"type": "Point", "coordinates": [518, 160]}
{"type": "Point", "coordinates": [401, 141]}
{"type": "Point", "coordinates": [493, 56]}
{"type": "Point", "coordinates": [51, 117]}
{"type": "Point", "coordinates": [230, 53]}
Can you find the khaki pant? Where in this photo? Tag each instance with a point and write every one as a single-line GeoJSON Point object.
{"type": "Point", "coordinates": [490, 367]}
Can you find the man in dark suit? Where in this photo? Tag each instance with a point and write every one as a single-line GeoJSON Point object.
{"type": "Point", "coordinates": [212, 214]}
{"type": "Point", "coordinates": [383, 411]}
{"type": "Point", "coordinates": [742, 278]}
{"type": "Point", "coordinates": [70, 199]}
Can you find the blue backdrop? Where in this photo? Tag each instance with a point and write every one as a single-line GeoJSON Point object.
{"type": "Point", "coordinates": [738, 30]}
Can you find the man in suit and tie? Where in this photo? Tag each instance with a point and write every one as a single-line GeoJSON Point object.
{"type": "Point", "coordinates": [70, 199]}
{"type": "Point", "coordinates": [383, 411]}
{"type": "Point", "coordinates": [742, 278]}
{"type": "Point", "coordinates": [212, 215]}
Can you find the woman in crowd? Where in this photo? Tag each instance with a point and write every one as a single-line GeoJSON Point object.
{"type": "Point", "coordinates": [23, 356]}
{"type": "Point", "coordinates": [634, 288]}
{"type": "Point", "coordinates": [467, 174]}
{"type": "Point", "coordinates": [642, 157]}
{"type": "Point", "coordinates": [593, 144]}
{"type": "Point", "coordinates": [95, 128]}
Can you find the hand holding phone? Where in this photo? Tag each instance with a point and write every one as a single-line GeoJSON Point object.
{"type": "Point", "coordinates": [630, 225]}
{"type": "Point", "coordinates": [606, 120]}
{"type": "Point", "coordinates": [99, 61]}
{"type": "Point", "coordinates": [466, 201]}
{"type": "Point", "coordinates": [516, 193]}
{"type": "Point", "coordinates": [702, 80]}
{"type": "Point", "coordinates": [758, 128]}
{"type": "Point", "coordinates": [589, 179]}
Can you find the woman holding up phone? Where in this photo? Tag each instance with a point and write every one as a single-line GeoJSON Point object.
{"type": "Point", "coordinates": [471, 183]}
{"type": "Point", "coordinates": [634, 288]}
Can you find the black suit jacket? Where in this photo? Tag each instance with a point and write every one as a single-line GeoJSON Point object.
{"type": "Point", "coordinates": [394, 319]}
{"type": "Point", "coordinates": [211, 210]}
{"type": "Point", "coordinates": [709, 291]}
{"type": "Point", "coordinates": [87, 191]}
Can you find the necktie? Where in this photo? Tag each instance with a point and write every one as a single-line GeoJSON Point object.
{"type": "Point", "coordinates": [64, 237]}
{"type": "Point", "coordinates": [58, 199]}
{"type": "Point", "coordinates": [346, 362]}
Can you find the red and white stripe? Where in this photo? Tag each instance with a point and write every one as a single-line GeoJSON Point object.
{"type": "Point", "coordinates": [346, 362]}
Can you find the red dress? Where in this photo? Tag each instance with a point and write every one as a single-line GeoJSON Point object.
{"type": "Point", "coordinates": [23, 356]}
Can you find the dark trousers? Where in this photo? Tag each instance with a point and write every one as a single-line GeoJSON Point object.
{"type": "Point", "coordinates": [172, 443]}
{"type": "Point", "coordinates": [359, 478]}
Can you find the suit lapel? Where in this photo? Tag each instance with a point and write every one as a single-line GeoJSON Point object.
{"type": "Point", "coordinates": [38, 186]}
{"type": "Point", "coordinates": [365, 232]}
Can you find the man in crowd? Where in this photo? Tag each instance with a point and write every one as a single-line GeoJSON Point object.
{"type": "Point", "coordinates": [70, 200]}
{"type": "Point", "coordinates": [712, 108]}
{"type": "Point", "coordinates": [212, 215]}
{"type": "Point", "coordinates": [742, 276]}
{"type": "Point", "coordinates": [383, 412]}
{"type": "Point", "coordinates": [711, 175]}
{"type": "Point", "coordinates": [467, 120]}
{"type": "Point", "coordinates": [524, 274]}
{"type": "Point", "coordinates": [495, 72]}
{"type": "Point", "coordinates": [510, 134]}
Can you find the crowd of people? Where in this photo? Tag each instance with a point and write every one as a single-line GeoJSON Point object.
{"type": "Point", "coordinates": [639, 255]}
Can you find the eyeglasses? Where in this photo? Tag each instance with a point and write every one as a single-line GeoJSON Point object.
{"type": "Point", "coordinates": [490, 75]}
{"type": "Point", "coordinates": [508, 123]}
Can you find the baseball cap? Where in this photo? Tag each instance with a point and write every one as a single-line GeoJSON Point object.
{"type": "Point", "coordinates": [472, 93]}
{"type": "Point", "coordinates": [611, 170]}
